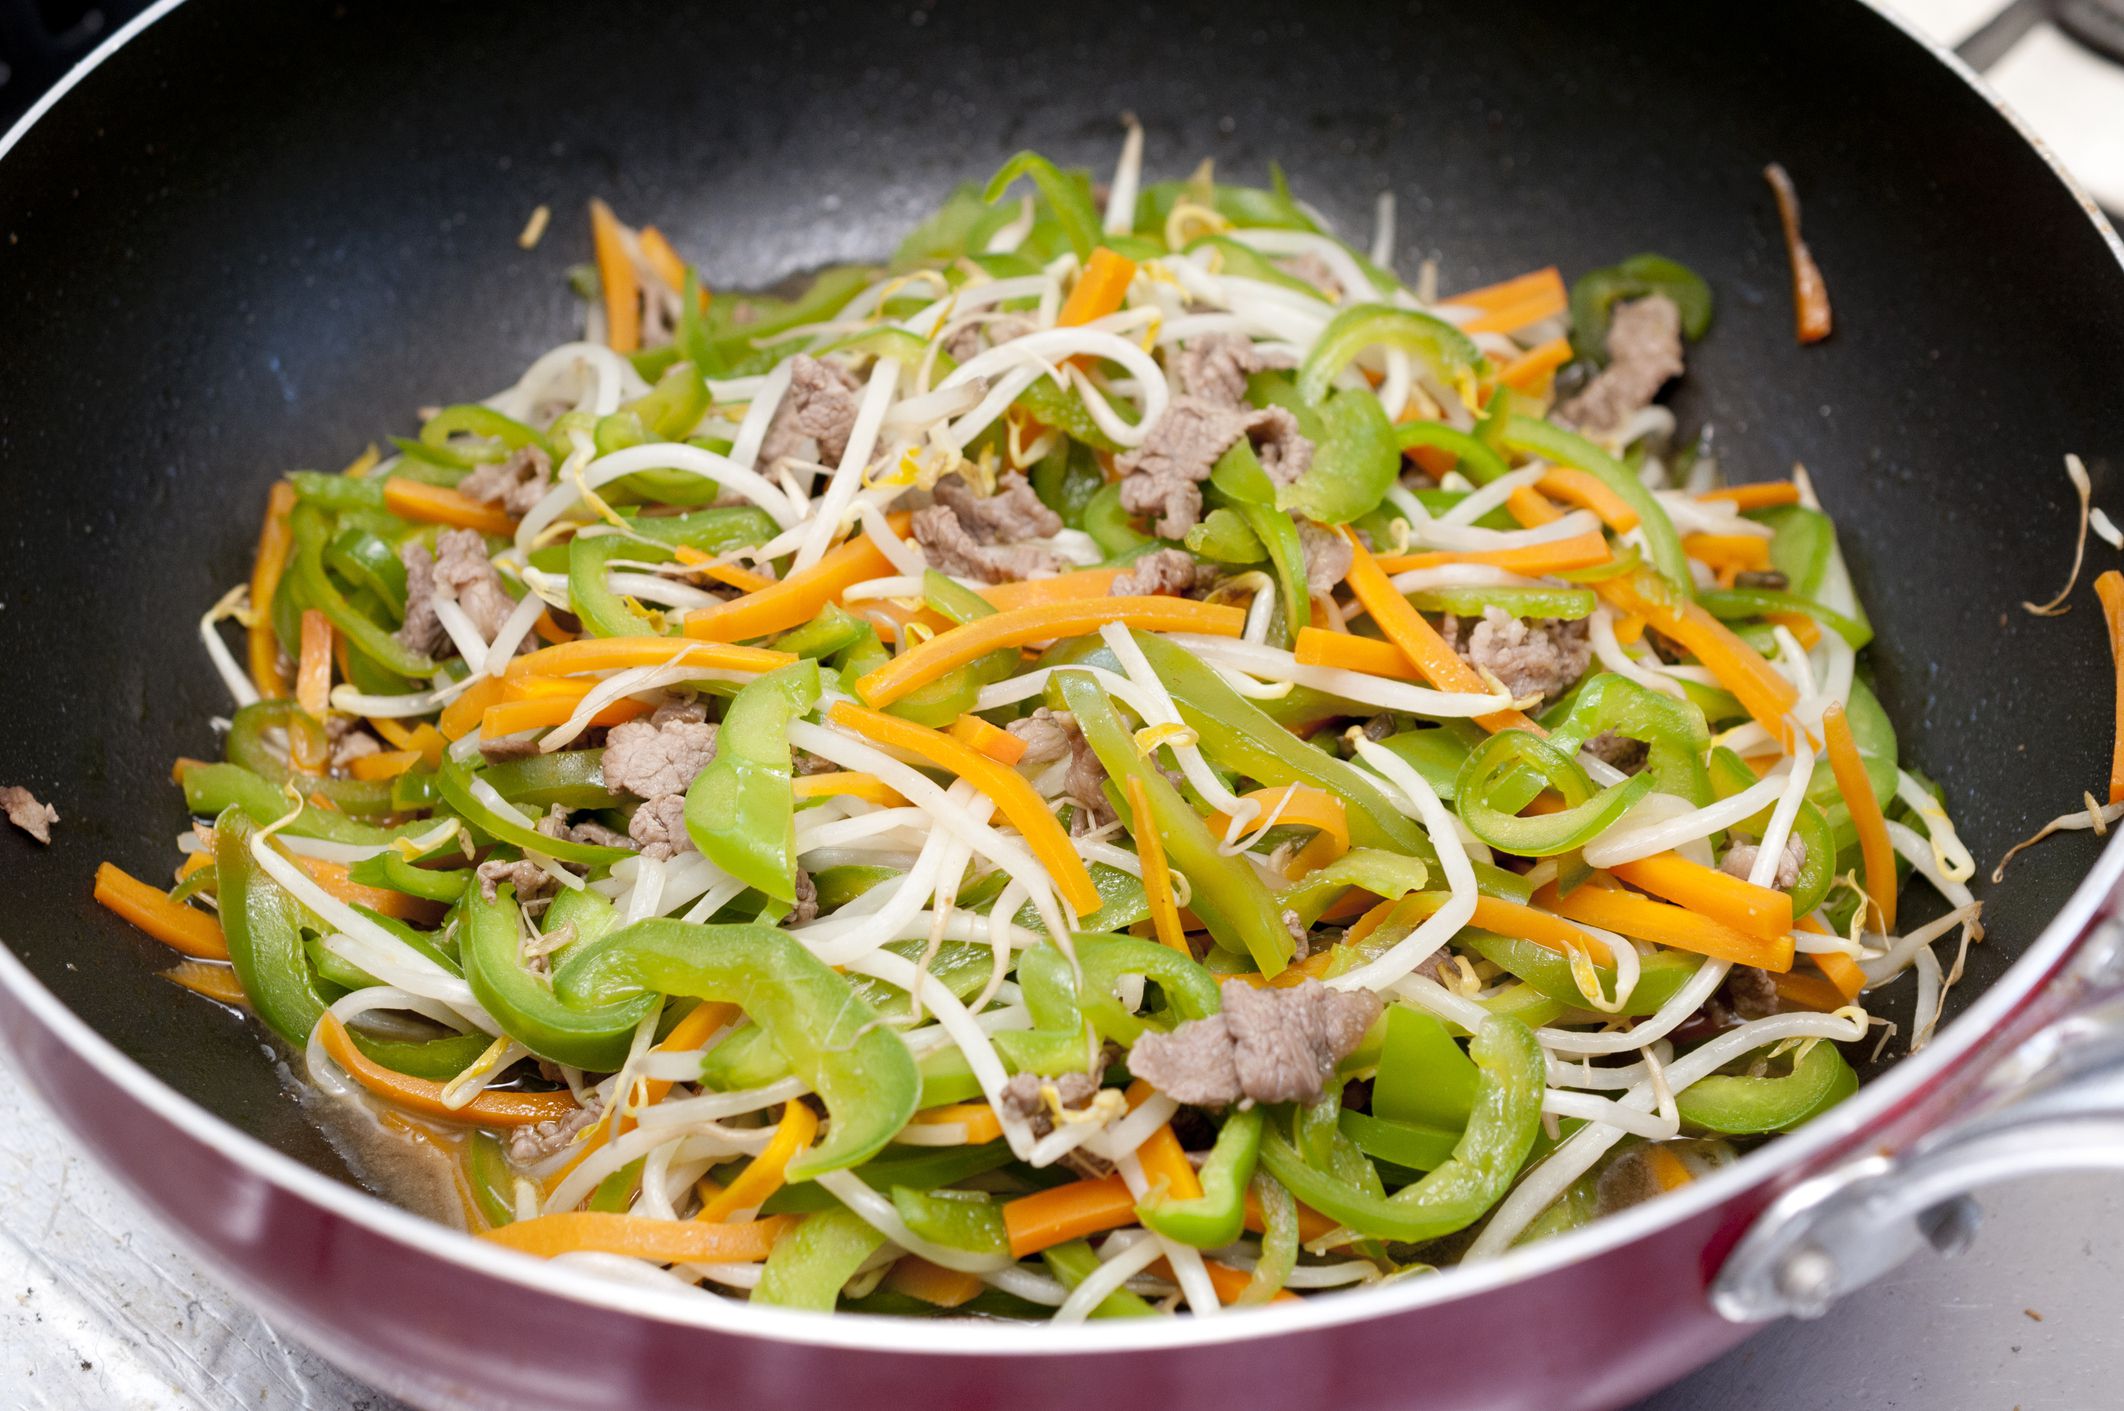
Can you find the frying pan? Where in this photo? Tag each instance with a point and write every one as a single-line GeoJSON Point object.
{"type": "Point", "coordinates": [256, 235]}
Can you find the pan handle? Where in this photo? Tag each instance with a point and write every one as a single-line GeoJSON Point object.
{"type": "Point", "coordinates": [2053, 1103]}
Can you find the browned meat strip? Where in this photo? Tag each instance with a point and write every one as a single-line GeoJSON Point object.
{"type": "Point", "coordinates": [1048, 735]}
{"type": "Point", "coordinates": [1327, 556]}
{"type": "Point", "coordinates": [28, 813]}
{"type": "Point", "coordinates": [516, 484]}
{"type": "Point", "coordinates": [819, 406]}
{"type": "Point", "coordinates": [1539, 657]}
{"type": "Point", "coordinates": [533, 886]}
{"type": "Point", "coordinates": [1740, 858]}
{"type": "Point", "coordinates": [1267, 1045]}
{"type": "Point", "coordinates": [981, 536]}
{"type": "Point", "coordinates": [530, 1145]}
{"type": "Point", "coordinates": [556, 825]}
{"type": "Point", "coordinates": [1644, 352]}
{"type": "Point", "coordinates": [1164, 475]}
{"type": "Point", "coordinates": [1214, 368]}
{"type": "Point", "coordinates": [1172, 573]}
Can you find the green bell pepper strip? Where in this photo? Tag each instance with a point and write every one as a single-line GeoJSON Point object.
{"type": "Point", "coordinates": [1472, 458]}
{"type": "Point", "coordinates": [1423, 1077]}
{"type": "Point", "coordinates": [1622, 559]}
{"type": "Point", "coordinates": [1062, 409]}
{"type": "Point", "coordinates": [1731, 603]}
{"type": "Point", "coordinates": [740, 810]}
{"type": "Point", "coordinates": [454, 783]}
{"type": "Point", "coordinates": [603, 612]}
{"type": "Point", "coordinates": [671, 409]}
{"type": "Point", "coordinates": [1578, 1205]}
{"type": "Point", "coordinates": [1075, 1261]}
{"type": "Point", "coordinates": [1552, 443]}
{"type": "Point", "coordinates": [1105, 960]}
{"type": "Point", "coordinates": [1660, 974]}
{"type": "Point", "coordinates": [955, 693]}
{"type": "Point", "coordinates": [1437, 753]}
{"type": "Point", "coordinates": [807, 1267]}
{"type": "Point", "coordinates": [1596, 292]}
{"type": "Point", "coordinates": [247, 747]}
{"type": "Point", "coordinates": [1673, 732]}
{"type": "Point", "coordinates": [838, 886]}
{"type": "Point", "coordinates": [1355, 461]}
{"type": "Point", "coordinates": [932, 1168]}
{"type": "Point", "coordinates": [390, 869]}
{"type": "Point", "coordinates": [1068, 197]}
{"type": "Point", "coordinates": [615, 1194]}
{"type": "Point", "coordinates": [1224, 536]}
{"type": "Point", "coordinates": [1238, 738]}
{"type": "Point", "coordinates": [1817, 872]}
{"type": "Point", "coordinates": [211, 788]}
{"type": "Point", "coordinates": [1066, 478]}
{"type": "Point", "coordinates": [310, 531]}
{"type": "Point", "coordinates": [1215, 1218]}
{"type": "Point", "coordinates": [1248, 207]}
{"type": "Point", "coordinates": [1245, 262]}
{"type": "Point", "coordinates": [263, 926]}
{"type": "Point", "coordinates": [1741, 1106]}
{"type": "Point", "coordinates": [951, 599]}
{"type": "Point", "coordinates": [1450, 355]}
{"type": "Point", "coordinates": [493, 1182]}
{"type": "Point", "coordinates": [471, 419]}
{"type": "Point", "coordinates": [1279, 1242]}
{"type": "Point", "coordinates": [1321, 1142]}
{"type": "Point", "coordinates": [1387, 875]}
{"type": "Point", "coordinates": [1586, 813]}
{"type": "Point", "coordinates": [832, 630]}
{"type": "Point", "coordinates": [956, 1220]}
{"type": "Point", "coordinates": [364, 559]}
{"type": "Point", "coordinates": [1059, 1041]}
{"type": "Point", "coordinates": [1488, 1156]}
{"type": "Point", "coordinates": [437, 1060]}
{"type": "Point", "coordinates": [1802, 542]}
{"type": "Point", "coordinates": [337, 493]}
{"type": "Point", "coordinates": [1238, 476]}
{"type": "Point", "coordinates": [572, 779]}
{"type": "Point", "coordinates": [1570, 603]}
{"type": "Point", "coordinates": [1110, 527]}
{"type": "Point", "coordinates": [860, 1068]}
{"type": "Point", "coordinates": [593, 1038]}
{"type": "Point", "coordinates": [1409, 1145]}
{"type": "Point", "coordinates": [712, 531]}
{"type": "Point", "coordinates": [1228, 894]}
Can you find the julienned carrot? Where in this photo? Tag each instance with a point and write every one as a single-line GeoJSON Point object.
{"type": "Point", "coordinates": [1588, 491]}
{"type": "Point", "coordinates": [463, 711]}
{"type": "Point", "coordinates": [998, 744]}
{"type": "Point", "coordinates": [1062, 588]}
{"type": "Point", "coordinates": [439, 504]}
{"type": "Point", "coordinates": [852, 784]}
{"type": "Point", "coordinates": [333, 877]}
{"type": "Point", "coordinates": [1157, 876]}
{"type": "Point", "coordinates": [2109, 587]}
{"type": "Point", "coordinates": [509, 717]}
{"type": "Point", "coordinates": [488, 1109]}
{"type": "Point", "coordinates": [1738, 667]}
{"type": "Point", "coordinates": [615, 275]}
{"type": "Point", "coordinates": [1745, 552]}
{"type": "Point", "coordinates": [1761, 495]}
{"type": "Point", "coordinates": [1761, 912]}
{"type": "Point", "coordinates": [180, 927]}
{"type": "Point", "coordinates": [1345, 651]}
{"type": "Point", "coordinates": [1231, 1283]}
{"type": "Point", "coordinates": [763, 1175]}
{"type": "Point", "coordinates": [1301, 807]}
{"type": "Point", "coordinates": [1018, 800]}
{"type": "Point", "coordinates": [1536, 365]}
{"type": "Point", "coordinates": [1839, 969]}
{"type": "Point", "coordinates": [642, 1237]}
{"type": "Point", "coordinates": [590, 654]}
{"type": "Point", "coordinates": [423, 739]}
{"type": "Point", "coordinates": [1876, 853]}
{"type": "Point", "coordinates": [1506, 918]}
{"type": "Point", "coordinates": [1814, 992]}
{"type": "Point", "coordinates": [1418, 640]}
{"type": "Point", "coordinates": [1163, 1161]}
{"type": "Point", "coordinates": [1067, 1212]}
{"type": "Point", "coordinates": [1804, 629]}
{"type": "Point", "coordinates": [1099, 289]}
{"type": "Point", "coordinates": [313, 669]}
{"type": "Point", "coordinates": [1514, 303]}
{"type": "Point", "coordinates": [743, 579]}
{"type": "Point", "coordinates": [978, 1118]}
{"type": "Point", "coordinates": [1613, 909]}
{"type": "Point", "coordinates": [274, 541]}
{"type": "Point", "coordinates": [795, 600]}
{"type": "Point", "coordinates": [948, 651]}
{"type": "Point", "coordinates": [933, 1283]}
{"type": "Point", "coordinates": [1531, 508]}
{"type": "Point", "coordinates": [664, 261]}
{"type": "Point", "coordinates": [1534, 560]}
{"type": "Point", "coordinates": [1812, 320]}
{"type": "Point", "coordinates": [385, 764]}
{"type": "Point", "coordinates": [216, 982]}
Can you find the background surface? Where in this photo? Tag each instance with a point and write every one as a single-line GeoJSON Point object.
{"type": "Point", "coordinates": [99, 1310]}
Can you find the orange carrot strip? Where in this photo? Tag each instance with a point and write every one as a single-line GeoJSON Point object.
{"type": "Point", "coordinates": [274, 541]}
{"type": "Point", "coordinates": [765, 1173]}
{"type": "Point", "coordinates": [664, 261]}
{"type": "Point", "coordinates": [588, 654]}
{"type": "Point", "coordinates": [1418, 640]}
{"type": "Point", "coordinates": [508, 717]}
{"type": "Point", "coordinates": [1534, 560]}
{"type": "Point", "coordinates": [488, 1109]}
{"type": "Point", "coordinates": [333, 877]}
{"type": "Point", "coordinates": [1840, 969]}
{"type": "Point", "coordinates": [849, 784]}
{"type": "Point", "coordinates": [1099, 289]}
{"type": "Point", "coordinates": [933, 1283]}
{"type": "Point", "coordinates": [1876, 854]}
{"type": "Point", "coordinates": [1063, 1213]}
{"type": "Point", "coordinates": [385, 764]}
{"type": "Point", "coordinates": [1164, 1163]}
{"type": "Point", "coordinates": [1761, 912]}
{"type": "Point", "coordinates": [796, 599]}
{"type": "Point", "coordinates": [216, 982]}
{"type": "Point", "coordinates": [1307, 808]}
{"type": "Point", "coordinates": [1514, 303]}
{"type": "Point", "coordinates": [439, 504]}
{"type": "Point", "coordinates": [1745, 552]}
{"type": "Point", "coordinates": [1810, 991]}
{"type": "Point", "coordinates": [1812, 320]}
{"type": "Point", "coordinates": [550, 631]}
{"type": "Point", "coordinates": [1804, 629]}
{"type": "Point", "coordinates": [1348, 652]}
{"type": "Point", "coordinates": [1536, 365]}
{"type": "Point", "coordinates": [423, 739]}
{"type": "Point", "coordinates": [1018, 800]}
{"type": "Point", "coordinates": [1761, 495]}
{"type": "Point", "coordinates": [1667, 1169]}
{"type": "Point", "coordinates": [463, 712]}
{"type": "Point", "coordinates": [313, 672]}
{"type": "Point", "coordinates": [1230, 1283]}
{"type": "Point", "coordinates": [730, 573]}
{"type": "Point", "coordinates": [2109, 587]}
{"type": "Point", "coordinates": [999, 745]}
{"type": "Point", "coordinates": [1588, 491]}
{"type": "Point", "coordinates": [1531, 508]}
{"type": "Point", "coordinates": [1613, 909]}
{"type": "Point", "coordinates": [978, 1118]}
{"type": "Point", "coordinates": [1062, 588]}
{"type": "Point", "coordinates": [615, 274]}
{"type": "Point", "coordinates": [180, 927]}
{"type": "Point", "coordinates": [1157, 875]}
{"type": "Point", "coordinates": [1738, 667]}
{"type": "Point", "coordinates": [947, 651]}
{"type": "Point", "coordinates": [642, 1237]}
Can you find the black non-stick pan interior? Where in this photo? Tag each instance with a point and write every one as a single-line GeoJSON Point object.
{"type": "Point", "coordinates": [263, 233]}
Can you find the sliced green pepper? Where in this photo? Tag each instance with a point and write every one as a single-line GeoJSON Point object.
{"type": "Point", "coordinates": [263, 925]}
{"type": "Point", "coordinates": [1742, 1106]}
{"type": "Point", "coordinates": [1569, 603]}
{"type": "Point", "coordinates": [1660, 974]}
{"type": "Point", "coordinates": [311, 531]}
{"type": "Point", "coordinates": [1595, 295]}
{"type": "Point", "coordinates": [1409, 1145]}
{"type": "Point", "coordinates": [248, 747]}
{"type": "Point", "coordinates": [1067, 197]}
{"type": "Point", "coordinates": [1472, 457]}
{"type": "Point", "coordinates": [1215, 1218]}
{"type": "Point", "coordinates": [807, 1267]}
{"type": "Point", "coordinates": [966, 1220]}
{"type": "Point", "coordinates": [1731, 603]}
{"type": "Point", "coordinates": [454, 782]}
{"type": "Point", "coordinates": [1355, 461]}
{"type": "Point", "coordinates": [593, 1038]}
{"type": "Point", "coordinates": [1560, 447]}
{"type": "Point", "coordinates": [740, 810]}
{"type": "Point", "coordinates": [1423, 1076]}
{"type": "Point", "coordinates": [1582, 819]}
{"type": "Point", "coordinates": [572, 779]}
{"type": "Point", "coordinates": [1449, 355]}
{"type": "Point", "coordinates": [1075, 1261]}
{"type": "Point", "coordinates": [603, 612]}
